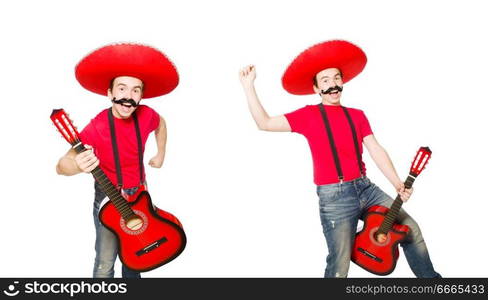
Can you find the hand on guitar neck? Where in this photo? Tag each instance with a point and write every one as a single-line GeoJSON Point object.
{"type": "Point", "coordinates": [87, 160]}
{"type": "Point", "coordinates": [403, 192]}
{"type": "Point", "coordinates": [73, 163]}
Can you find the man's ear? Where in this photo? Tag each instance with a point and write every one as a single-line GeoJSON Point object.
{"type": "Point", "coordinates": [109, 94]}
{"type": "Point", "coordinates": [316, 89]}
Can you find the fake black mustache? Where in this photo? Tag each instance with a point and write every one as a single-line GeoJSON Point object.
{"type": "Point", "coordinates": [124, 101]}
{"type": "Point", "coordinates": [331, 89]}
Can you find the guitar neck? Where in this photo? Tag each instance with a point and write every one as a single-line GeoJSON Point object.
{"type": "Point", "coordinates": [392, 214]}
{"type": "Point", "coordinates": [109, 189]}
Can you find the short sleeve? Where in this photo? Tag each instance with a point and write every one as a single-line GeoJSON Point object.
{"type": "Point", "coordinates": [154, 120]}
{"type": "Point", "coordinates": [149, 117]}
{"type": "Point", "coordinates": [298, 120]}
{"type": "Point", "coordinates": [364, 125]}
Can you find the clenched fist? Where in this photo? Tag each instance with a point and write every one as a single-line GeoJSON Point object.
{"type": "Point", "coordinates": [247, 75]}
{"type": "Point", "coordinates": [86, 160]}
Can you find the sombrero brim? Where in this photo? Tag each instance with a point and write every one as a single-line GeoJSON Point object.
{"type": "Point", "coordinates": [343, 55]}
{"type": "Point", "coordinates": [95, 71]}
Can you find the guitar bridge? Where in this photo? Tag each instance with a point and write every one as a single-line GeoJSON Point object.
{"type": "Point", "coordinates": [370, 255]}
{"type": "Point", "coordinates": [151, 247]}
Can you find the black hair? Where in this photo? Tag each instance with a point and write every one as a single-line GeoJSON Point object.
{"type": "Point", "coordinates": [111, 85]}
{"type": "Point", "coordinates": [315, 78]}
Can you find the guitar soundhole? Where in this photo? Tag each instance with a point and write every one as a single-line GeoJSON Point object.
{"type": "Point", "coordinates": [134, 225]}
{"type": "Point", "coordinates": [372, 237]}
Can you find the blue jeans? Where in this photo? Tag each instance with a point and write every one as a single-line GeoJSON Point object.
{"type": "Point", "coordinates": [342, 205]}
{"type": "Point", "coordinates": [106, 246]}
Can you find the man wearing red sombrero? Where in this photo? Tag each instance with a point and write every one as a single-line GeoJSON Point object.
{"type": "Point", "coordinates": [336, 135]}
{"type": "Point", "coordinates": [125, 73]}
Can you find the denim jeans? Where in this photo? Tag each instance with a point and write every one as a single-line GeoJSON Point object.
{"type": "Point", "coordinates": [342, 205]}
{"type": "Point", "coordinates": [106, 246]}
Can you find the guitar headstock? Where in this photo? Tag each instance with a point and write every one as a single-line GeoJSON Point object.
{"type": "Point", "coordinates": [420, 160]}
{"type": "Point", "coordinates": [65, 126]}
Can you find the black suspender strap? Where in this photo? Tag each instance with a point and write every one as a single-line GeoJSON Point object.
{"type": "Point", "coordinates": [332, 143]}
{"type": "Point", "coordinates": [115, 148]}
{"type": "Point", "coordinates": [139, 148]}
{"type": "Point", "coordinates": [355, 137]}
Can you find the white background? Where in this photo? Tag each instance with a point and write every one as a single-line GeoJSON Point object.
{"type": "Point", "coordinates": [245, 197]}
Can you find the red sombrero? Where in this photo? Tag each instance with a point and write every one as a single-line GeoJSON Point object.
{"type": "Point", "coordinates": [95, 71]}
{"type": "Point", "coordinates": [347, 57]}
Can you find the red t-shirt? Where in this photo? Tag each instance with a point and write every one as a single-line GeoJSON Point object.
{"type": "Point", "coordinates": [97, 134]}
{"type": "Point", "coordinates": [308, 122]}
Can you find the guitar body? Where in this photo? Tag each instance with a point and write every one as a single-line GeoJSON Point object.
{"type": "Point", "coordinates": [375, 257]}
{"type": "Point", "coordinates": [152, 239]}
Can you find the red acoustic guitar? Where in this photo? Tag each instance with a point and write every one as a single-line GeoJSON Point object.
{"type": "Point", "coordinates": [380, 257]}
{"type": "Point", "coordinates": [148, 236]}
